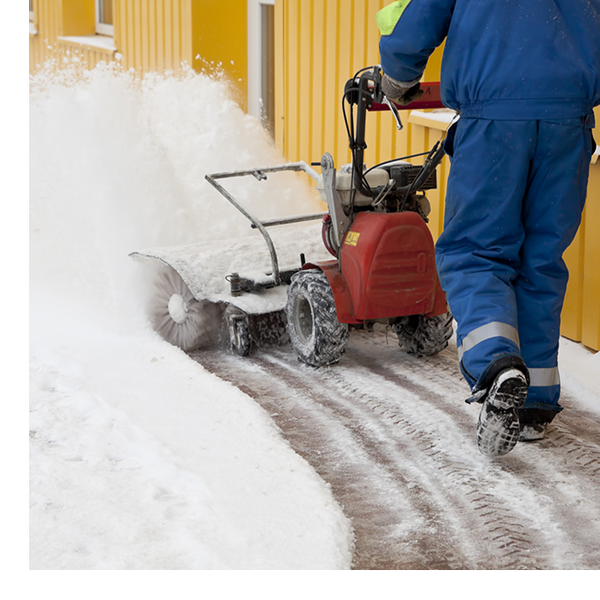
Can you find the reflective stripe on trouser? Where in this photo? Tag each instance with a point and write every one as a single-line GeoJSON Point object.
{"type": "Point", "coordinates": [513, 204]}
{"type": "Point", "coordinates": [539, 377]}
{"type": "Point", "coordinates": [486, 332]}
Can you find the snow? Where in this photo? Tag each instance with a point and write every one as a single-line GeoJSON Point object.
{"type": "Point", "coordinates": [580, 374]}
{"type": "Point", "coordinates": [203, 266]}
{"type": "Point", "coordinates": [139, 458]}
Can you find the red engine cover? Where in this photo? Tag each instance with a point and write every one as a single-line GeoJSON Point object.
{"type": "Point", "coordinates": [388, 265]}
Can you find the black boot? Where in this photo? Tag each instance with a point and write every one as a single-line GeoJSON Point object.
{"type": "Point", "coordinates": [534, 422]}
{"type": "Point", "coordinates": [498, 427]}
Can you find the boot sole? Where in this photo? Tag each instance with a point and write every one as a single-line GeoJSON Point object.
{"type": "Point", "coordinates": [498, 428]}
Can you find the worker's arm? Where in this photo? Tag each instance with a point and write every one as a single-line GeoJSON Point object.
{"type": "Point", "coordinates": [410, 31]}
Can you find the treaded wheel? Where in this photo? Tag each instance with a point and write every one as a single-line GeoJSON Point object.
{"type": "Point", "coordinates": [239, 334]}
{"type": "Point", "coordinates": [178, 317]}
{"type": "Point", "coordinates": [423, 336]}
{"type": "Point", "coordinates": [316, 335]}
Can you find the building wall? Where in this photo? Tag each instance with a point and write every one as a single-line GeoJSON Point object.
{"type": "Point", "coordinates": [149, 35]}
{"type": "Point", "coordinates": [153, 35]}
{"type": "Point", "coordinates": [57, 18]}
{"type": "Point", "coordinates": [319, 45]}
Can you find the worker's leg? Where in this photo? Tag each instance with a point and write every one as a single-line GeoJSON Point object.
{"type": "Point", "coordinates": [478, 253]}
{"type": "Point", "coordinates": [551, 214]}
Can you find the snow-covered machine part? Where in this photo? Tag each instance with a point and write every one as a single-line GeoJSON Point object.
{"type": "Point", "coordinates": [205, 268]}
{"type": "Point", "coordinates": [236, 280]}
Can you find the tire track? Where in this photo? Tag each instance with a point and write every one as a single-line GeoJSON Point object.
{"type": "Point", "coordinates": [394, 439]}
{"type": "Point", "coordinates": [441, 477]}
{"type": "Point", "coordinates": [566, 462]}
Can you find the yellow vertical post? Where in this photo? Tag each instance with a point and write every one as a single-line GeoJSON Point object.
{"type": "Point", "coordinates": [280, 77]}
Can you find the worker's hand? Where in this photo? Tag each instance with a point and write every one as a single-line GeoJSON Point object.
{"type": "Point", "coordinates": [398, 92]}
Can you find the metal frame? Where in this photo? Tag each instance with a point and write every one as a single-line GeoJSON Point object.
{"type": "Point", "coordinates": [255, 34]}
{"type": "Point", "coordinates": [260, 174]}
{"type": "Point", "coordinates": [102, 28]}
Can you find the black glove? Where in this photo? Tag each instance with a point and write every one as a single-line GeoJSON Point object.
{"type": "Point", "coordinates": [398, 92]}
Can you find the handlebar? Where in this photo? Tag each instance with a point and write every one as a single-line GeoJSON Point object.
{"type": "Point", "coordinates": [430, 99]}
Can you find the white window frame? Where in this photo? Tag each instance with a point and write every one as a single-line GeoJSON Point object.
{"type": "Point", "coordinates": [32, 27]}
{"type": "Point", "coordinates": [254, 56]}
{"type": "Point", "coordinates": [102, 28]}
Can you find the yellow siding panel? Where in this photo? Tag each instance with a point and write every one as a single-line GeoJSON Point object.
{"type": "Point", "coordinates": [344, 70]}
{"type": "Point", "coordinates": [571, 317]}
{"type": "Point", "coordinates": [293, 83]}
{"type": "Point", "coordinates": [219, 31]}
{"type": "Point", "coordinates": [280, 77]}
{"type": "Point", "coordinates": [57, 18]}
{"type": "Point", "coordinates": [77, 18]}
{"type": "Point", "coordinates": [319, 21]}
{"type": "Point", "coordinates": [305, 108]}
{"type": "Point", "coordinates": [331, 96]}
{"type": "Point", "coordinates": [590, 334]}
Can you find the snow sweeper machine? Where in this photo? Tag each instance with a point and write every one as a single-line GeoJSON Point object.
{"type": "Point", "coordinates": [370, 263]}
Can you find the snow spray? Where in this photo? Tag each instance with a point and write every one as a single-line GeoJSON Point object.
{"type": "Point", "coordinates": [117, 164]}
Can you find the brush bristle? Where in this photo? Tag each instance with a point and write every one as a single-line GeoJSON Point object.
{"type": "Point", "coordinates": [203, 320]}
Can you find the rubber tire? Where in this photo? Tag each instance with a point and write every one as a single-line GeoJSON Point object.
{"type": "Point", "coordinates": [316, 335]}
{"type": "Point", "coordinates": [240, 338]}
{"type": "Point", "coordinates": [203, 319]}
{"type": "Point", "coordinates": [424, 336]}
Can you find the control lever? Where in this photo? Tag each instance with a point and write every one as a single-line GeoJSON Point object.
{"type": "Point", "coordinates": [394, 110]}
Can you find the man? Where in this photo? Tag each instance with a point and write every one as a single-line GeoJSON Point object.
{"type": "Point", "coordinates": [524, 76]}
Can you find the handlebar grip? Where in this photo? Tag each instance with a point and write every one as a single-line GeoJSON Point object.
{"type": "Point", "coordinates": [430, 99]}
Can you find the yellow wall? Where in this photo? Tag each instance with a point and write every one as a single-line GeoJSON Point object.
{"type": "Point", "coordinates": [149, 35]}
{"type": "Point", "coordinates": [590, 334]}
{"type": "Point", "coordinates": [581, 313]}
{"type": "Point", "coordinates": [152, 35]}
{"type": "Point", "coordinates": [223, 44]}
{"type": "Point", "coordinates": [319, 45]}
{"type": "Point", "coordinates": [56, 18]}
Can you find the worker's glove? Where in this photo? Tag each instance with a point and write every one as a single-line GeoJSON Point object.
{"type": "Point", "coordinates": [399, 92]}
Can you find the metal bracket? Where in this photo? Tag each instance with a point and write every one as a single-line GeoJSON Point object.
{"type": "Point", "coordinates": [339, 219]}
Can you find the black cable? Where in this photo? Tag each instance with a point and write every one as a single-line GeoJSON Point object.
{"type": "Point", "coordinates": [393, 160]}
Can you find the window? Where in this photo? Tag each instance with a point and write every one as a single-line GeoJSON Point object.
{"type": "Point", "coordinates": [104, 17]}
{"type": "Point", "coordinates": [261, 61]}
{"type": "Point", "coordinates": [32, 27]}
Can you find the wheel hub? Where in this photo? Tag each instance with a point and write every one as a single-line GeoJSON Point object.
{"type": "Point", "coordinates": [304, 318]}
{"type": "Point", "coordinates": [178, 308]}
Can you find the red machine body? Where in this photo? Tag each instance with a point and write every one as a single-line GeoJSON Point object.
{"type": "Point", "coordinates": [387, 269]}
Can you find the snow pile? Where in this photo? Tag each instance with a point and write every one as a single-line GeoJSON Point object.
{"type": "Point", "coordinates": [139, 458]}
{"type": "Point", "coordinates": [579, 374]}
